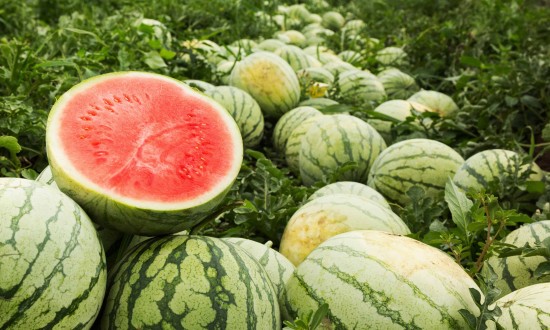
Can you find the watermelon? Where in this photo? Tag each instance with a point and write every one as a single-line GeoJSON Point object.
{"type": "Point", "coordinates": [270, 45]}
{"type": "Point", "coordinates": [199, 84]}
{"type": "Point", "coordinates": [485, 168]}
{"type": "Point", "coordinates": [270, 80]}
{"type": "Point", "coordinates": [397, 84]}
{"type": "Point", "coordinates": [333, 20]}
{"type": "Point", "coordinates": [244, 109]}
{"type": "Point", "coordinates": [377, 280]}
{"type": "Point", "coordinates": [337, 67]}
{"type": "Point", "coordinates": [527, 308]}
{"type": "Point", "coordinates": [189, 282]}
{"type": "Point", "coordinates": [439, 102]}
{"type": "Point", "coordinates": [142, 153]}
{"type": "Point", "coordinates": [311, 76]}
{"type": "Point", "coordinates": [288, 122]}
{"type": "Point", "coordinates": [52, 265]}
{"type": "Point", "coordinates": [354, 26]}
{"type": "Point", "coordinates": [108, 237]}
{"type": "Point", "coordinates": [361, 88]}
{"type": "Point", "coordinates": [397, 109]}
{"type": "Point", "coordinates": [516, 272]}
{"type": "Point", "coordinates": [278, 267]}
{"type": "Point", "coordinates": [416, 162]}
{"type": "Point", "coordinates": [330, 215]}
{"type": "Point", "coordinates": [294, 143]}
{"type": "Point", "coordinates": [353, 188]}
{"type": "Point", "coordinates": [296, 57]}
{"type": "Point", "coordinates": [295, 38]}
{"type": "Point", "coordinates": [351, 56]}
{"type": "Point", "coordinates": [391, 56]}
{"type": "Point", "coordinates": [223, 70]}
{"type": "Point", "coordinates": [334, 140]}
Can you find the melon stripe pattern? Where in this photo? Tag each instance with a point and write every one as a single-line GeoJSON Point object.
{"type": "Point", "coordinates": [516, 272]}
{"type": "Point", "coordinates": [361, 87]}
{"type": "Point", "coordinates": [190, 282]}
{"type": "Point", "coordinates": [397, 84]}
{"type": "Point", "coordinates": [330, 215]}
{"type": "Point", "coordinates": [270, 80]}
{"type": "Point", "coordinates": [382, 281]}
{"type": "Point", "coordinates": [352, 188]}
{"type": "Point", "coordinates": [53, 268]}
{"type": "Point", "coordinates": [486, 167]}
{"type": "Point", "coordinates": [294, 143]}
{"type": "Point", "coordinates": [527, 308]}
{"type": "Point", "coordinates": [334, 140]}
{"type": "Point", "coordinates": [296, 57]}
{"type": "Point", "coordinates": [415, 162]}
{"type": "Point", "coordinates": [439, 102]}
{"type": "Point", "coordinates": [244, 109]}
{"type": "Point", "coordinates": [278, 267]}
{"type": "Point", "coordinates": [288, 122]}
{"type": "Point", "coordinates": [318, 103]}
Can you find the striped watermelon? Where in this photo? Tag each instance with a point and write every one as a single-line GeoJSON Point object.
{"type": "Point", "coordinates": [353, 188]}
{"type": "Point", "coordinates": [313, 75]}
{"type": "Point", "coordinates": [270, 80]}
{"type": "Point", "coordinates": [330, 215]}
{"type": "Point", "coordinates": [527, 308]}
{"type": "Point", "coordinates": [516, 272]}
{"type": "Point", "coordinates": [398, 109]}
{"type": "Point", "coordinates": [278, 267]}
{"type": "Point", "coordinates": [376, 280]}
{"type": "Point", "coordinates": [484, 168]}
{"type": "Point", "coordinates": [334, 140]}
{"type": "Point", "coordinates": [333, 20]}
{"type": "Point", "coordinates": [288, 122]}
{"type": "Point", "coordinates": [351, 56]}
{"type": "Point", "coordinates": [244, 109]}
{"type": "Point", "coordinates": [223, 70]}
{"type": "Point", "coordinates": [416, 162]}
{"type": "Point", "coordinates": [354, 26]}
{"type": "Point", "coordinates": [338, 67]}
{"type": "Point", "coordinates": [295, 38]}
{"type": "Point", "coordinates": [189, 282]}
{"type": "Point", "coordinates": [52, 265]}
{"type": "Point", "coordinates": [391, 56]}
{"type": "Point", "coordinates": [439, 102]}
{"type": "Point", "coordinates": [294, 143]}
{"type": "Point", "coordinates": [199, 84]}
{"type": "Point", "coordinates": [270, 45]}
{"type": "Point", "coordinates": [108, 237]}
{"type": "Point", "coordinates": [361, 88]}
{"type": "Point", "coordinates": [296, 57]}
{"type": "Point", "coordinates": [397, 84]}
{"type": "Point", "coordinates": [142, 153]}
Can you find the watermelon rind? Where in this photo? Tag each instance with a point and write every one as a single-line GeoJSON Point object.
{"type": "Point", "coordinates": [52, 265]}
{"type": "Point", "coordinates": [352, 188]}
{"type": "Point", "coordinates": [516, 272]}
{"type": "Point", "coordinates": [189, 282]}
{"type": "Point", "coordinates": [130, 215]}
{"type": "Point", "coordinates": [288, 122]}
{"type": "Point", "coordinates": [330, 215]}
{"type": "Point", "coordinates": [375, 280]}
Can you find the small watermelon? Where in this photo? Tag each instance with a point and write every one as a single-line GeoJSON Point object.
{"type": "Point", "coordinates": [439, 102]}
{"type": "Point", "coordinates": [516, 272]}
{"type": "Point", "coordinates": [391, 56]}
{"type": "Point", "coordinates": [189, 282]}
{"type": "Point", "coordinates": [330, 215]}
{"type": "Point", "coordinates": [244, 109]}
{"type": "Point", "coordinates": [278, 267]}
{"type": "Point", "coordinates": [142, 153]}
{"type": "Point", "coordinates": [294, 143]}
{"type": "Point", "coordinates": [52, 265]}
{"type": "Point", "coordinates": [527, 308]}
{"type": "Point", "coordinates": [288, 122]}
{"type": "Point", "coordinates": [361, 88]}
{"type": "Point", "coordinates": [199, 84]}
{"type": "Point", "coordinates": [334, 140]}
{"type": "Point", "coordinates": [416, 162]}
{"type": "Point", "coordinates": [397, 84]}
{"type": "Point", "coordinates": [270, 80]}
{"type": "Point", "coordinates": [353, 188]}
{"type": "Point", "coordinates": [377, 280]}
{"type": "Point", "coordinates": [333, 20]}
{"type": "Point", "coordinates": [485, 168]}
{"type": "Point", "coordinates": [296, 57]}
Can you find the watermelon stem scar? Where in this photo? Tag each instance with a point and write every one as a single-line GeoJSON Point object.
{"type": "Point", "coordinates": [136, 140]}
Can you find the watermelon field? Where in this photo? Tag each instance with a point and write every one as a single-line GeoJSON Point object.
{"type": "Point", "coordinates": [247, 164]}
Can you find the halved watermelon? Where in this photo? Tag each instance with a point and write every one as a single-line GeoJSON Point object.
{"type": "Point", "coordinates": [142, 153]}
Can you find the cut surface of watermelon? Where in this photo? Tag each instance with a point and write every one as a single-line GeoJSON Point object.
{"type": "Point", "coordinates": [144, 140]}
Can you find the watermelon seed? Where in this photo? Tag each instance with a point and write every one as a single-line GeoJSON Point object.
{"type": "Point", "coordinates": [85, 118]}
{"type": "Point", "coordinates": [110, 109]}
{"type": "Point", "coordinates": [147, 96]}
{"type": "Point", "coordinates": [87, 127]}
{"type": "Point", "coordinates": [92, 113]}
{"type": "Point", "coordinates": [117, 100]}
{"type": "Point", "coordinates": [108, 102]}
{"type": "Point", "coordinates": [127, 98]}
{"type": "Point", "coordinates": [136, 99]}
{"type": "Point", "coordinates": [100, 153]}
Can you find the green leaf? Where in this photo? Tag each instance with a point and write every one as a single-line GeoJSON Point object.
{"type": "Point", "coordinates": [10, 143]}
{"type": "Point", "coordinates": [318, 316]}
{"type": "Point", "coordinates": [543, 269]}
{"type": "Point", "coordinates": [154, 60]}
{"type": "Point", "coordinates": [167, 54]}
{"type": "Point", "coordinates": [459, 205]}
{"type": "Point", "coordinates": [470, 61]}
